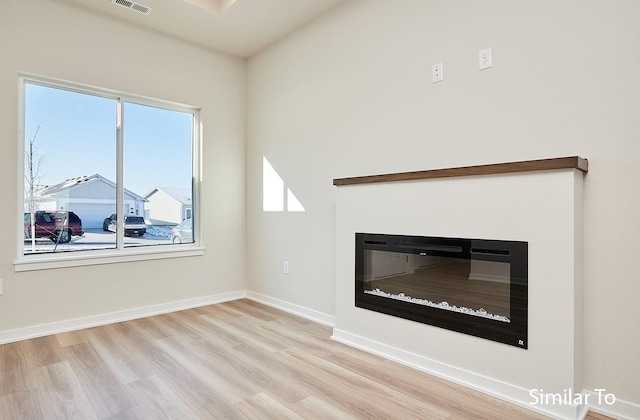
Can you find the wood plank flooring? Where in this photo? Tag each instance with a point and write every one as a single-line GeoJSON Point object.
{"type": "Point", "coordinates": [237, 360]}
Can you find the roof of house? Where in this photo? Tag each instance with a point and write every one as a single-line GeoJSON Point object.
{"type": "Point", "coordinates": [182, 195]}
{"type": "Point", "coordinates": [75, 182]}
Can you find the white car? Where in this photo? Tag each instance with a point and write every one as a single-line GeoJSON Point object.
{"type": "Point", "coordinates": [133, 225]}
{"type": "Point", "coordinates": [182, 233]}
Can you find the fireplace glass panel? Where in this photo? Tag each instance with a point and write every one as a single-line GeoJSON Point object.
{"type": "Point", "coordinates": [474, 287]}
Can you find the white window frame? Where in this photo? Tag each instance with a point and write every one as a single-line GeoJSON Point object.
{"type": "Point", "coordinates": [121, 253]}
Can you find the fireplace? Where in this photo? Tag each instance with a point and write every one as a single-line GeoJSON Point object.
{"type": "Point", "coordinates": [473, 286]}
{"type": "Point", "coordinates": [537, 202]}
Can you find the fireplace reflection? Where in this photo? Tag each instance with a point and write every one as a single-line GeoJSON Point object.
{"type": "Point", "coordinates": [478, 288]}
{"type": "Point", "coordinates": [474, 286]}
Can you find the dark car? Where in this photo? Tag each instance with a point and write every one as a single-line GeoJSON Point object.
{"type": "Point", "coordinates": [58, 226]}
{"type": "Point", "coordinates": [133, 225]}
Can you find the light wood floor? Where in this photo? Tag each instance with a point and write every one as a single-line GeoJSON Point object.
{"type": "Point", "coordinates": [239, 360]}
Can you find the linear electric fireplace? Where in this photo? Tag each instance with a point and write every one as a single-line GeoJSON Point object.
{"type": "Point", "coordinates": [472, 286]}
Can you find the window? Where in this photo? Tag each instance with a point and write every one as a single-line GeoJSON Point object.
{"type": "Point", "coordinates": [104, 172]}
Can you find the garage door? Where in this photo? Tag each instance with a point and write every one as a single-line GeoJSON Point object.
{"type": "Point", "coordinates": [92, 215]}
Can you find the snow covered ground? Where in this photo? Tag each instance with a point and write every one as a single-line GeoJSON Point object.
{"type": "Point", "coordinates": [98, 239]}
{"type": "Point", "coordinates": [159, 231]}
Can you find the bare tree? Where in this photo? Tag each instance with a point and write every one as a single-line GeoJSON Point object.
{"type": "Point", "coordinates": [34, 161]}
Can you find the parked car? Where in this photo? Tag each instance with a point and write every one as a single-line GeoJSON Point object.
{"type": "Point", "coordinates": [182, 233]}
{"type": "Point", "coordinates": [133, 225]}
{"type": "Point", "coordinates": [58, 226]}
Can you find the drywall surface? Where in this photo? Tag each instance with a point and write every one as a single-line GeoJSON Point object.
{"type": "Point", "coordinates": [63, 41]}
{"type": "Point", "coordinates": [351, 94]}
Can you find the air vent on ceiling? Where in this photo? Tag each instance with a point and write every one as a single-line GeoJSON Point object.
{"type": "Point", "coordinates": [132, 5]}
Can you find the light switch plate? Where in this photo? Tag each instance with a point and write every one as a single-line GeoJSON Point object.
{"type": "Point", "coordinates": [484, 59]}
{"type": "Point", "coordinates": [436, 72]}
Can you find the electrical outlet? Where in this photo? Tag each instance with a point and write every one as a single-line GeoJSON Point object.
{"type": "Point", "coordinates": [436, 72]}
{"type": "Point", "coordinates": [285, 267]}
{"type": "Point", "coordinates": [484, 59]}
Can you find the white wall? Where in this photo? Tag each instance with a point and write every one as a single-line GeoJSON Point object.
{"type": "Point", "coordinates": [59, 40]}
{"type": "Point", "coordinates": [351, 95]}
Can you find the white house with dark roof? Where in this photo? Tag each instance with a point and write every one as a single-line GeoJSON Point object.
{"type": "Point", "coordinates": [92, 198]}
{"type": "Point", "coordinates": [168, 206]}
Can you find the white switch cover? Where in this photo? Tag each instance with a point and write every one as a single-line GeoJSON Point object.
{"type": "Point", "coordinates": [484, 59]}
{"type": "Point", "coordinates": [436, 72]}
{"type": "Point", "coordinates": [285, 267]}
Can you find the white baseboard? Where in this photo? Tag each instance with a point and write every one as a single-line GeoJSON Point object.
{"type": "Point", "coordinates": [310, 314]}
{"type": "Point", "coordinates": [620, 409]}
{"type": "Point", "coordinates": [502, 390]}
{"type": "Point", "coordinates": [113, 317]}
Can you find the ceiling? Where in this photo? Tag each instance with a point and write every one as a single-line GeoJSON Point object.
{"type": "Point", "coordinates": [240, 28]}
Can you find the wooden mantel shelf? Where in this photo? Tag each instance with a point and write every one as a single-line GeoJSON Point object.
{"type": "Point", "coordinates": [571, 162]}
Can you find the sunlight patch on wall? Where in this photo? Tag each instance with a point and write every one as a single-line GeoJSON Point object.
{"type": "Point", "coordinates": [272, 188]}
{"type": "Point", "coordinates": [273, 197]}
{"type": "Point", "coordinates": [292, 202]}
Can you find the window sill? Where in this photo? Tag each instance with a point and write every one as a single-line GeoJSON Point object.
{"type": "Point", "coordinates": [78, 259]}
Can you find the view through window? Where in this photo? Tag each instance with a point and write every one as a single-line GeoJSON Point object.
{"type": "Point", "coordinates": [81, 173]}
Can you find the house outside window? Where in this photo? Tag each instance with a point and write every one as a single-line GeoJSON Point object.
{"type": "Point", "coordinates": [169, 206]}
{"type": "Point", "coordinates": [92, 158]}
